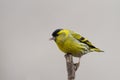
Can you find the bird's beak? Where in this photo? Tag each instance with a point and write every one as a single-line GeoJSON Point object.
{"type": "Point", "coordinates": [53, 38]}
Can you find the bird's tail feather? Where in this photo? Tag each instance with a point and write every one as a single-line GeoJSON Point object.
{"type": "Point", "coordinates": [96, 50]}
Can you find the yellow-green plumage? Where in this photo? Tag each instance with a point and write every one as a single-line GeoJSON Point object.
{"type": "Point", "coordinates": [71, 42]}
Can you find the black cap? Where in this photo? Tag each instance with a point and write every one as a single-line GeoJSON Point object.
{"type": "Point", "coordinates": [54, 34]}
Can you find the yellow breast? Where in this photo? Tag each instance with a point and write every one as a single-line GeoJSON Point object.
{"type": "Point", "coordinates": [70, 45]}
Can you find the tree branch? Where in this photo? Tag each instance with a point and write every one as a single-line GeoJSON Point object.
{"type": "Point", "coordinates": [71, 66]}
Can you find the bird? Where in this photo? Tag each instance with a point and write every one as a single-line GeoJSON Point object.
{"type": "Point", "coordinates": [73, 43]}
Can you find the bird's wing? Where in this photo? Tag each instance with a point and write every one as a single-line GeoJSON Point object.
{"type": "Point", "coordinates": [82, 39]}
{"type": "Point", "coordinates": [85, 41]}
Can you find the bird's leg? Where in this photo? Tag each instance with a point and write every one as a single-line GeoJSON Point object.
{"type": "Point", "coordinates": [76, 65]}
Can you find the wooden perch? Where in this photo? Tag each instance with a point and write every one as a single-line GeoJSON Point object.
{"type": "Point", "coordinates": [71, 66]}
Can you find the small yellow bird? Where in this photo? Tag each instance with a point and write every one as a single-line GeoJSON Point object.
{"type": "Point", "coordinates": [71, 42]}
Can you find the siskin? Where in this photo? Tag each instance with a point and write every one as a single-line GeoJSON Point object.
{"type": "Point", "coordinates": [73, 43]}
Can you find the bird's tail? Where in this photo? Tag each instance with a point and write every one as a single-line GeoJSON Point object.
{"type": "Point", "coordinates": [96, 50]}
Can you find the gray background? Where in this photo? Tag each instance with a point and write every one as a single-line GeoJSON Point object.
{"type": "Point", "coordinates": [26, 26]}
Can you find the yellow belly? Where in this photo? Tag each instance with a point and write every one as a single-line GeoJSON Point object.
{"type": "Point", "coordinates": [72, 46]}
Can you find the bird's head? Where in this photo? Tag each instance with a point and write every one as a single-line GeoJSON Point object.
{"type": "Point", "coordinates": [61, 33]}
{"type": "Point", "coordinates": [55, 34]}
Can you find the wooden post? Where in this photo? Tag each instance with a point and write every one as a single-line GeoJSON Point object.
{"type": "Point", "coordinates": [71, 66]}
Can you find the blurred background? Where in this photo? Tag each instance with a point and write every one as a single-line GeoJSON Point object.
{"type": "Point", "coordinates": [26, 26]}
